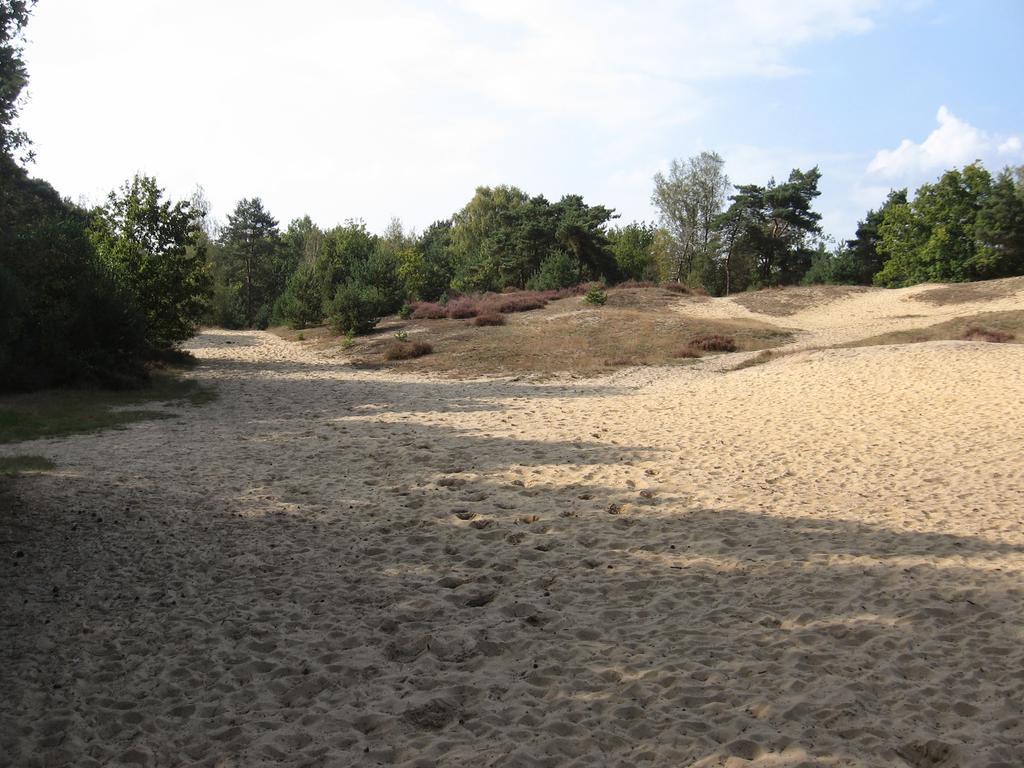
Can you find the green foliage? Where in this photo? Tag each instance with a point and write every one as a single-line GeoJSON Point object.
{"type": "Point", "coordinates": [596, 296]}
{"type": "Point", "coordinates": [502, 236]}
{"type": "Point", "coordinates": [690, 200]}
{"type": "Point", "coordinates": [558, 270]}
{"type": "Point", "coordinates": [428, 269]}
{"type": "Point", "coordinates": [62, 319]}
{"type": "Point", "coordinates": [150, 247]}
{"type": "Point", "coordinates": [766, 229]}
{"type": "Point", "coordinates": [999, 228]}
{"type": "Point", "coordinates": [405, 312]}
{"type": "Point", "coordinates": [633, 247]}
{"type": "Point", "coordinates": [356, 308]}
{"type": "Point", "coordinates": [301, 304]}
{"type": "Point", "coordinates": [13, 75]}
{"type": "Point", "coordinates": [862, 260]}
{"type": "Point", "coordinates": [250, 264]}
{"type": "Point", "coordinates": [965, 226]}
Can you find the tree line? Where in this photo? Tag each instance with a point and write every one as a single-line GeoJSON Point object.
{"type": "Point", "coordinates": [94, 295]}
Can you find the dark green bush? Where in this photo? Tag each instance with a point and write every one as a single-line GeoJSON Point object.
{"type": "Point", "coordinates": [356, 307]}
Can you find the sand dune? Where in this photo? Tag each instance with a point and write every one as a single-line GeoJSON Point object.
{"type": "Point", "coordinates": [814, 562]}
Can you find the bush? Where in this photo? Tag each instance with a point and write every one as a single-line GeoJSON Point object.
{"type": "Point", "coordinates": [406, 350]}
{"type": "Point", "coordinates": [558, 270]}
{"type": "Point", "coordinates": [301, 305]}
{"type": "Point", "coordinates": [686, 352]}
{"type": "Point", "coordinates": [356, 308]}
{"type": "Point", "coordinates": [596, 296]}
{"type": "Point", "coordinates": [977, 333]}
{"type": "Point", "coordinates": [489, 318]}
{"type": "Point", "coordinates": [463, 307]}
{"type": "Point", "coordinates": [405, 312]}
{"type": "Point", "coordinates": [522, 301]}
{"type": "Point", "coordinates": [428, 310]}
{"type": "Point", "coordinates": [714, 343]}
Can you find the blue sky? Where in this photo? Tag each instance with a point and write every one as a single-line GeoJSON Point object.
{"type": "Point", "coordinates": [400, 108]}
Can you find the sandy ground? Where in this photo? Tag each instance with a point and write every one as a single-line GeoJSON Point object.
{"type": "Point", "coordinates": [814, 562]}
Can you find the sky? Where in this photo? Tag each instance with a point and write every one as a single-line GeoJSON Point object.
{"type": "Point", "coordinates": [394, 108]}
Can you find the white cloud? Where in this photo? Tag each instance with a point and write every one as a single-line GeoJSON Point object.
{"type": "Point", "coordinates": [954, 143]}
{"type": "Point", "coordinates": [346, 109]}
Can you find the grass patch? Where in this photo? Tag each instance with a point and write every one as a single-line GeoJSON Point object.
{"type": "Point", "coordinates": [782, 302]}
{"type": "Point", "coordinates": [11, 466]}
{"type": "Point", "coordinates": [984, 326]}
{"type": "Point", "coordinates": [638, 326]}
{"type": "Point", "coordinates": [964, 293]}
{"type": "Point", "coordinates": [58, 412]}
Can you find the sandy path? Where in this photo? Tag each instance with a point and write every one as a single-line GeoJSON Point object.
{"type": "Point", "coordinates": [819, 561]}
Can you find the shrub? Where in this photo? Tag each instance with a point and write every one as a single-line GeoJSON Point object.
{"type": "Point", "coordinates": [463, 307]}
{"type": "Point", "coordinates": [978, 333]}
{"type": "Point", "coordinates": [356, 308]}
{"type": "Point", "coordinates": [402, 335]}
{"type": "Point", "coordinates": [405, 312]}
{"type": "Point", "coordinates": [301, 305]}
{"type": "Point", "coordinates": [687, 352]}
{"type": "Point", "coordinates": [489, 318]}
{"type": "Point", "coordinates": [558, 270]}
{"type": "Point", "coordinates": [714, 343]}
{"type": "Point", "coordinates": [428, 310]}
{"type": "Point", "coordinates": [523, 301]}
{"type": "Point", "coordinates": [406, 350]}
{"type": "Point", "coordinates": [596, 296]}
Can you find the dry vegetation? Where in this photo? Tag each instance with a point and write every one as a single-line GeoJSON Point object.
{"type": "Point", "coordinates": [637, 326]}
{"type": "Point", "coordinates": [782, 302]}
{"type": "Point", "coordinates": [963, 293]}
{"type": "Point", "coordinates": [984, 326]}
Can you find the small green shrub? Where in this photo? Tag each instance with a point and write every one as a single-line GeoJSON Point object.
{"type": "Point", "coordinates": [402, 335]}
{"type": "Point", "coordinates": [596, 296]}
{"type": "Point", "coordinates": [405, 312]}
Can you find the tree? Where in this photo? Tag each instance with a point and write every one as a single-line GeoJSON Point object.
{"type": "Point", "coordinates": [933, 237]}
{"type": "Point", "coordinates": [13, 75]}
{"type": "Point", "coordinates": [861, 260]}
{"type": "Point", "coordinates": [502, 236]}
{"type": "Point", "coordinates": [633, 249]}
{"type": "Point", "coordinates": [149, 245]}
{"type": "Point", "coordinates": [999, 228]}
{"type": "Point", "coordinates": [689, 201]}
{"type": "Point", "coordinates": [251, 249]}
{"type": "Point", "coordinates": [772, 225]}
{"type": "Point", "coordinates": [426, 268]}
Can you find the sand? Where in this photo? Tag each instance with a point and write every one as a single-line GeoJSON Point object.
{"type": "Point", "coordinates": [814, 562]}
